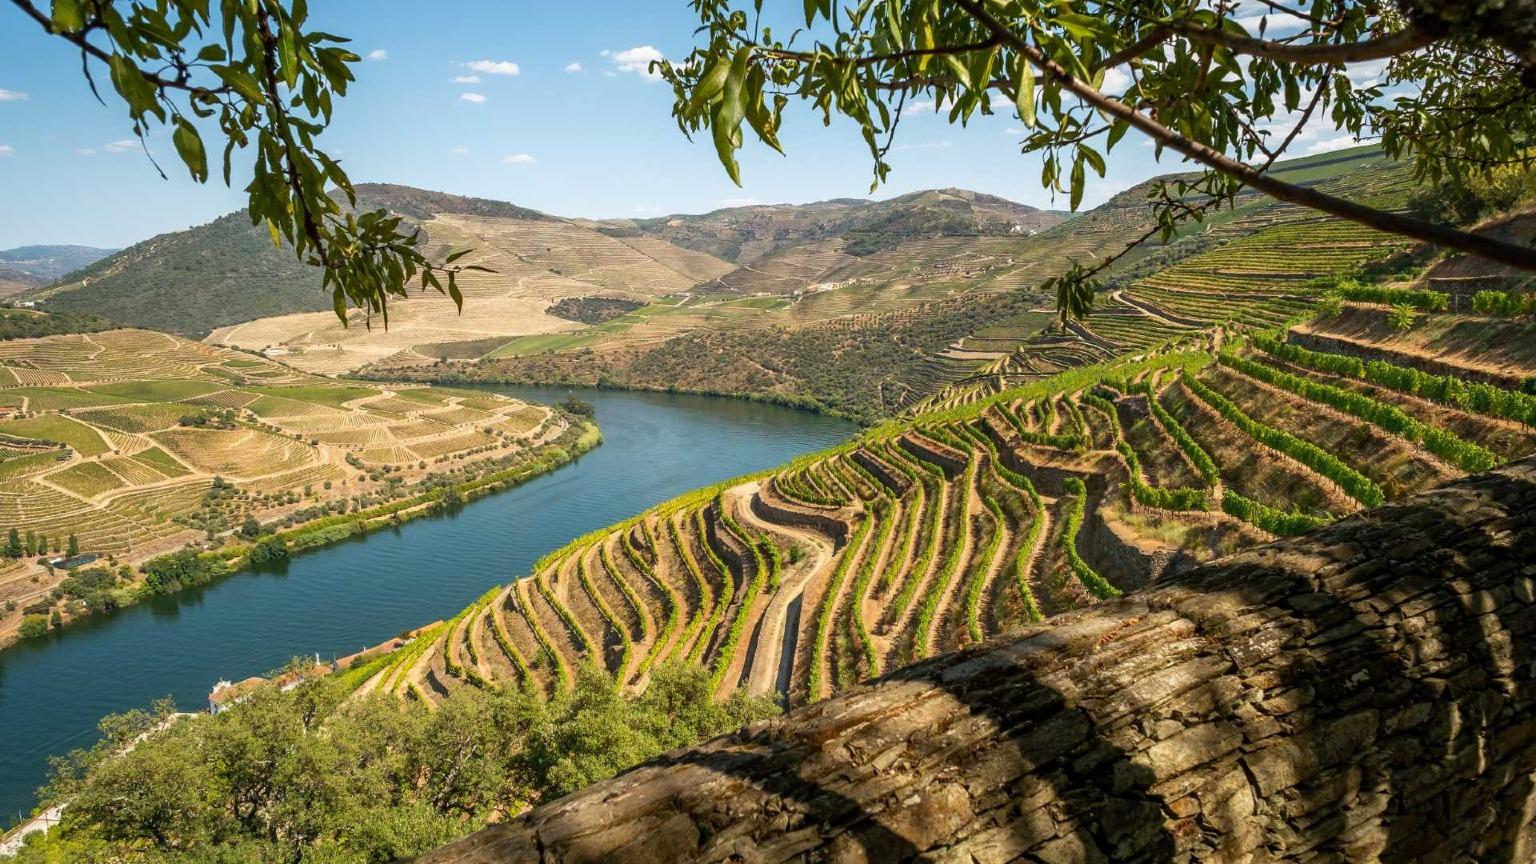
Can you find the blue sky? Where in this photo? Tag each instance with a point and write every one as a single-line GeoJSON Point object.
{"type": "Point", "coordinates": [543, 104]}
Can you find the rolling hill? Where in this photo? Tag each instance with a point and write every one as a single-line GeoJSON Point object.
{"type": "Point", "coordinates": [30, 266]}
{"type": "Point", "coordinates": [938, 310]}
{"type": "Point", "coordinates": [994, 511]}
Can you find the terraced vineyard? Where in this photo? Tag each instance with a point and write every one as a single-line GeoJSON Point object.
{"type": "Point", "coordinates": [993, 509]}
{"type": "Point", "coordinates": [136, 442]}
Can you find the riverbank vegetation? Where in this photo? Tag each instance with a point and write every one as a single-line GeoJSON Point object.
{"type": "Point", "coordinates": [320, 774]}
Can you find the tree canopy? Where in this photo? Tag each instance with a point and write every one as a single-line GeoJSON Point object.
{"type": "Point", "coordinates": [1226, 84]}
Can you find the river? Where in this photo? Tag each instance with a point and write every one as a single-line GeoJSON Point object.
{"type": "Point", "coordinates": [336, 600]}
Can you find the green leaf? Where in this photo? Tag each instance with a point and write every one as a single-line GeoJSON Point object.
{"type": "Point", "coordinates": [1078, 182]}
{"type": "Point", "coordinates": [1024, 91]}
{"type": "Point", "coordinates": [456, 256]}
{"type": "Point", "coordinates": [67, 15]}
{"type": "Point", "coordinates": [189, 146]}
{"type": "Point", "coordinates": [1095, 161]}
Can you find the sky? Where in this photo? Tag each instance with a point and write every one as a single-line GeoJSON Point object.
{"type": "Point", "coordinates": [546, 105]}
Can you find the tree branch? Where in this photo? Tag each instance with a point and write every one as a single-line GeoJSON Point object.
{"type": "Point", "coordinates": [1491, 248]}
{"type": "Point", "coordinates": [79, 39]}
{"type": "Point", "coordinates": [1381, 48]}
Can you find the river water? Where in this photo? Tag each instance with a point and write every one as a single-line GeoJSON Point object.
{"type": "Point", "coordinates": [336, 600]}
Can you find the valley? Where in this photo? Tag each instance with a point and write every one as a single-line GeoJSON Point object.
{"type": "Point", "coordinates": [986, 512]}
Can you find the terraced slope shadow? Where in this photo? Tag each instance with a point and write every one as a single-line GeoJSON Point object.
{"type": "Point", "coordinates": [1363, 692]}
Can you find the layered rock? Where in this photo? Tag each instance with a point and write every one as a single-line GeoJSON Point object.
{"type": "Point", "coordinates": [1364, 692]}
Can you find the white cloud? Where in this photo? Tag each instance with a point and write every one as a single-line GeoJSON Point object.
{"type": "Point", "coordinates": [519, 159]}
{"type": "Point", "coordinates": [1115, 81]}
{"type": "Point", "coordinates": [918, 106]}
{"type": "Point", "coordinates": [1366, 74]}
{"type": "Point", "coordinates": [739, 202]}
{"type": "Point", "coordinates": [466, 79]}
{"type": "Point", "coordinates": [458, 150]}
{"type": "Point", "coordinates": [12, 95]}
{"type": "Point", "coordinates": [472, 97]}
{"type": "Point", "coordinates": [1326, 145]}
{"type": "Point", "coordinates": [122, 145]}
{"type": "Point", "coordinates": [1013, 130]}
{"type": "Point", "coordinates": [7, 151]}
{"type": "Point", "coordinates": [635, 60]}
{"type": "Point", "coordinates": [494, 67]}
{"type": "Point", "coordinates": [85, 151]}
{"type": "Point", "coordinates": [377, 54]}
{"type": "Point", "coordinates": [573, 67]}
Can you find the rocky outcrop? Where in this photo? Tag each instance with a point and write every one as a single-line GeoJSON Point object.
{"type": "Point", "coordinates": [1365, 692]}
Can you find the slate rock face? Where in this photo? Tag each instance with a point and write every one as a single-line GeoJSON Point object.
{"type": "Point", "coordinates": [1365, 692]}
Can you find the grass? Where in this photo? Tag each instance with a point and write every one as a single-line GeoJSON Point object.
{"type": "Point", "coordinates": [332, 396]}
{"type": "Point", "coordinates": [155, 390]}
{"type": "Point", "coordinates": [58, 429]}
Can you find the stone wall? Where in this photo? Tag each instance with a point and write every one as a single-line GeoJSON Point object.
{"type": "Point", "coordinates": [1366, 692]}
{"type": "Point", "coordinates": [946, 457]}
{"type": "Point", "coordinates": [770, 506]}
{"type": "Point", "coordinates": [892, 478]}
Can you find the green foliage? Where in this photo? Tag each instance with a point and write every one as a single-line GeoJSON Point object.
{"type": "Point", "coordinates": [33, 625]}
{"type": "Point", "coordinates": [1413, 298]}
{"type": "Point", "coordinates": [1159, 497]}
{"type": "Point", "coordinates": [1465, 200]}
{"type": "Point", "coordinates": [1504, 303]}
{"type": "Point", "coordinates": [1476, 396]}
{"type": "Point", "coordinates": [1402, 317]}
{"type": "Point", "coordinates": [186, 568]}
{"type": "Point", "coordinates": [311, 775]}
{"type": "Point", "coordinates": [578, 407]}
{"type": "Point", "coordinates": [1355, 484]}
{"type": "Point", "coordinates": [828, 608]}
{"type": "Point", "coordinates": [26, 324]}
{"type": "Point", "coordinates": [1204, 464]}
{"type": "Point", "coordinates": [1447, 445]}
{"type": "Point", "coordinates": [268, 82]}
{"type": "Point", "coordinates": [1276, 522]}
{"type": "Point", "coordinates": [1090, 578]}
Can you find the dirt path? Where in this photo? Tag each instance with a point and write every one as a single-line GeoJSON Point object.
{"type": "Point", "coordinates": [772, 638]}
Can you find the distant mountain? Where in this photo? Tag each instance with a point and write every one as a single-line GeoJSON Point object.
{"type": "Point", "coordinates": [28, 266]}
{"type": "Point", "coordinates": [744, 235]}
{"type": "Point", "coordinates": [227, 271]}
{"type": "Point", "coordinates": [191, 281]}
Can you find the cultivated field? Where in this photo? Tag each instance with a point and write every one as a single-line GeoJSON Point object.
{"type": "Point", "coordinates": [991, 510]}
{"type": "Point", "coordinates": [136, 442]}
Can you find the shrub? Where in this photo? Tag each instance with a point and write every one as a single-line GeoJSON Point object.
{"type": "Point", "coordinates": [1447, 445]}
{"type": "Point", "coordinates": [1090, 578]}
{"type": "Point", "coordinates": [1503, 303]}
{"type": "Point", "coordinates": [1417, 298]}
{"type": "Point", "coordinates": [1401, 317]}
{"type": "Point", "coordinates": [33, 626]}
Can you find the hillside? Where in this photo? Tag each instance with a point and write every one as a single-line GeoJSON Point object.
{"type": "Point", "coordinates": [191, 281]}
{"type": "Point", "coordinates": [1230, 714]}
{"type": "Point", "coordinates": [990, 512]}
{"type": "Point", "coordinates": [746, 235]}
{"type": "Point", "coordinates": [935, 311]}
{"type": "Point", "coordinates": [135, 443]}
{"type": "Point", "coordinates": [30, 266]}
